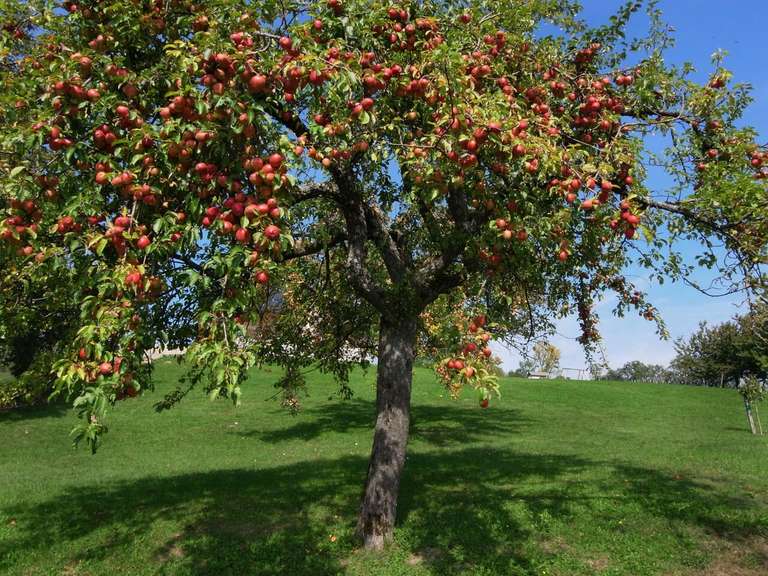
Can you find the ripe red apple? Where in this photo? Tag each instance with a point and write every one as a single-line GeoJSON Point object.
{"type": "Point", "coordinates": [143, 242]}
{"type": "Point", "coordinates": [276, 160]}
{"type": "Point", "coordinates": [105, 368]}
{"type": "Point", "coordinates": [257, 83]}
{"type": "Point", "coordinates": [484, 403]}
{"type": "Point", "coordinates": [262, 277]}
{"type": "Point", "coordinates": [272, 232]}
{"type": "Point", "coordinates": [134, 278]}
{"type": "Point", "coordinates": [242, 235]}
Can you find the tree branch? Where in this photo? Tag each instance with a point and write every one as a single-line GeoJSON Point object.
{"type": "Point", "coordinates": [352, 205]}
{"type": "Point", "coordinates": [314, 190]}
{"type": "Point", "coordinates": [379, 232]}
{"type": "Point", "coordinates": [678, 208]}
{"type": "Point", "coordinates": [312, 248]}
{"type": "Point", "coordinates": [195, 266]}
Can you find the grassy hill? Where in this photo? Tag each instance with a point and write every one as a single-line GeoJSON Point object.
{"type": "Point", "coordinates": [556, 478]}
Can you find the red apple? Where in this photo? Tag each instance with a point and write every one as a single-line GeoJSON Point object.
{"type": "Point", "coordinates": [272, 232]}
{"type": "Point", "coordinates": [257, 83]}
{"type": "Point", "coordinates": [276, 160]}
{"type": "Point", "coordinates": [242, 235]}
{"type": "Point", "coordinates": [143, 242]}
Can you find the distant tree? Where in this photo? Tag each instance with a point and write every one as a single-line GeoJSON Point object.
{"type": "Point", "coordinates": [636, 371]}
{"type": "Point", "coordinates": [526, 366]}
{"type": "Point", "coordinates": [753, 336]}
{"type": "Point", "coordinates": [546, 356]}
{"type": "Point", "coordinates": [708, 356]}
{"type": "Point", "coordinates": [723, 355]}
{"type": "Point", "coordinates": [597, 371]}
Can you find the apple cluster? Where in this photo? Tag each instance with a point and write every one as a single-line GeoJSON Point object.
{"type": "Point", "coordinates": [469, 365]}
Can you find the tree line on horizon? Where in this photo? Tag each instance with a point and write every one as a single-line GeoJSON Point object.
{"type": "Point", "coordinates": [721, 355]}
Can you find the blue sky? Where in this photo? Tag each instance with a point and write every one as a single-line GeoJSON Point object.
{"type": "Point", "coordinates": [701, 27]}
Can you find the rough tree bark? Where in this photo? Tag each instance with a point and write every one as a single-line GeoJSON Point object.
{"type": "Point", "coordinates": [397, 342]}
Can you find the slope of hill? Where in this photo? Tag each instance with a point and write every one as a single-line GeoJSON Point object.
{"type": "Point", "coordinates": [555, 478]}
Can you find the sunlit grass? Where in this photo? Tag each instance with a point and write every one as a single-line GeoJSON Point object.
{"type": "Point", "coordinates": [555, 478]}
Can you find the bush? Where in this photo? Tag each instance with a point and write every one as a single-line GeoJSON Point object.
{"type": "Point", "coordinates": [33, 387]}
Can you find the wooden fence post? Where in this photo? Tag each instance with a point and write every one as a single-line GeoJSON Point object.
{"type": "Point", "coordinates": [748, 407]}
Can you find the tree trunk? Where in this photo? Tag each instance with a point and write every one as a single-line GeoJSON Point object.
{"type": "Point", "coordinates": [397, 341]}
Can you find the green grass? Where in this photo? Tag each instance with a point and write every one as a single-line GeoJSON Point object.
{"type": "Point", "coordinates": [556, 478]}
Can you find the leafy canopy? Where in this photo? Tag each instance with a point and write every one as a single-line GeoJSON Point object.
{"type": "Point", "coordinates": [265, 181]}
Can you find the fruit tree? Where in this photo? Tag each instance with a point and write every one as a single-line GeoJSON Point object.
{"type": "Point", "coordinates": [311, 182]}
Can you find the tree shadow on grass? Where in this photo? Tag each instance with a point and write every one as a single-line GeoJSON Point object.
{"type": "Point", "coordinates": [55, 409]}
{"type": "Point", "coordinates": [462, 511]}
{"type": "Point", "coordinates": [489, 511]}
{"type": "Point", "coordinates": [743, 429]}
{"type": "Point", "coordinates": [438, 425]}
{"type": "Point", "coordinates": [257, 522]}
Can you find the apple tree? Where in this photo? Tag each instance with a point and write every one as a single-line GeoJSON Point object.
{"type": "Point", "coordinates": [312, 182]}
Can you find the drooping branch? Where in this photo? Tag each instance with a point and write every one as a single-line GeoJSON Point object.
{"type": "Point", "coordinates": [688, 213]}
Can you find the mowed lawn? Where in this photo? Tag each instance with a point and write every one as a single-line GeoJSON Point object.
{"type": "Point", "coordinates": [556, 478]}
